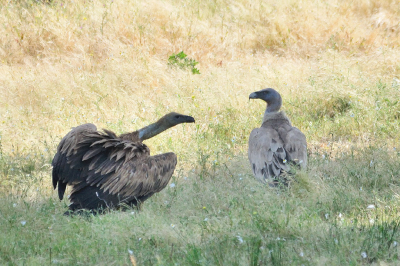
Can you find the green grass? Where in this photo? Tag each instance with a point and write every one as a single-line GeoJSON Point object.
{"type": "Point", "coordinates": [219, 215]}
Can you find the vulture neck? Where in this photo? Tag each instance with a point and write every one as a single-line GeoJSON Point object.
{"type": "Point", "coordinates": [152, 130]}
{"type": "Point", "coordinates": [281, 116]}
{"type": "Point", "coordinates": [273, 107]}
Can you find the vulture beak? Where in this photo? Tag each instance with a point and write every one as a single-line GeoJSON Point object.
{"type": "Point", "coordinates": [253, 96]}
{"type": "Point", "coordinates": [189, 119]}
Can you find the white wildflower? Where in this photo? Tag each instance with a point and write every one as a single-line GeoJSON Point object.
{"type": "Point", "coordinates": [301, 254]}
{"type": "Point", "coordinates": [130, 252]}
{"type": "Point", "coordinates": [172, 185]}
{"type": "Point", "coordinates": [395, 82]}
{"type": "Point", "coordinates": [371, 207]}
{"type": "Point", "coordinates": [240, 239]}
{"type": "Point", "coordinates": [364, 255]}
{"type": "Point", "coordinates": [23, 223]}
{"type": "Point", "coordinates": [326, 216]}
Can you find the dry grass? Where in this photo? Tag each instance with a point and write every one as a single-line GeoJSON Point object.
{"type": "Point", "coordinates": [336, 63]}
{"type": "Point", "coordinates": [64, 64]}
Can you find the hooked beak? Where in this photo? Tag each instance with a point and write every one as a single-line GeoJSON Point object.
{"type": "Point", "coordinates": [190, 119]}
{"type": "Point", "coordinates": [253, 96]}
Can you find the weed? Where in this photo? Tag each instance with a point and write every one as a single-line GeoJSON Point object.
{"type": "Point", "coordinates": [182, 61]}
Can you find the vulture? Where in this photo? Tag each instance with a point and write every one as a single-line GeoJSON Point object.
{"type": "Point", "coordinates": [276, 147]}
{"type": "Point", "coordinates": [108, 171]}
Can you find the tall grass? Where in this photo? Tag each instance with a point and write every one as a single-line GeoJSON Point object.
{"type": "Point", "coordinates": [336, 64]}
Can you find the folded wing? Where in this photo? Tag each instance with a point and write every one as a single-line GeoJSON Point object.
{"type": "Point", "coordinates": [266, 153]}
{"type": "Point", "coordinates": [296, 147]}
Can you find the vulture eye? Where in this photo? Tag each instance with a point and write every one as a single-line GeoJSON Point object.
{"type": "Point", "coordinates": [177, 116]}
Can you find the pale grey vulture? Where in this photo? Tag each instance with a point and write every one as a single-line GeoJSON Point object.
{"type": "Point", "coordinates": [106, 170]}
{"type": "Point", "coordinates": [276, 146]}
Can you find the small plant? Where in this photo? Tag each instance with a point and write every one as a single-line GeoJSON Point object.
{"type": "Point", "coordinates": [181, 60]}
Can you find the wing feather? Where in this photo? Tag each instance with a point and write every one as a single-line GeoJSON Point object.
{"type": "Point", "coordinates": [274, 147]}
{"type": "Point", "coordinates": [296, 147]}
{"type": "Point", "coordinates": [62, 170]}
{"type": "Point", "coordinates": [146, 176]}
{"type": "Point", "coordinates": [267, 154]}
{"type": "Point", "coordinates": [85, 156]}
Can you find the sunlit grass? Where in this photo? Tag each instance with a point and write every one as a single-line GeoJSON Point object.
{"type": "Point", "coordinates": [336, 64]}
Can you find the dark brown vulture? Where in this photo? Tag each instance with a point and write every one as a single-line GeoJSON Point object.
{"type": "Point", "coordinates": [276, 145]}
{"type": "Point", "coordinates": [106, 170]}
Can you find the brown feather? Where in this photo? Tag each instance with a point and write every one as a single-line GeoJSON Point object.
{"type": "Point", "coordinates": [105, 170]}
{"type": "Point", "coordinates": [118, 170]}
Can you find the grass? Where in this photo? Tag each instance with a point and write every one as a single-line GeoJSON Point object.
{"type": "Point", "coordinates": [106, 62]}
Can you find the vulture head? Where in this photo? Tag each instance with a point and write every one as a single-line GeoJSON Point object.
{"type": "Point", "coordinates": [271, 97]}
{"type": "Point", "coordinates": [165, 122]}
{"type": "Point", "coordinates": [173, 119]}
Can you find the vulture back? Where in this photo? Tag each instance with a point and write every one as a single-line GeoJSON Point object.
{"type": "Point", "coordinates": [275, 147]}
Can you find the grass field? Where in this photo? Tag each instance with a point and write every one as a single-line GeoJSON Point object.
{"type": "Point", "coordinates": [335, 63]}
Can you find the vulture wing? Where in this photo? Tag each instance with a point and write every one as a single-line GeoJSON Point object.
{"type": "Point", "coordinates": [296, 146]}
{"type": "Point", "coordinates": [88, 157]}
{"type": "Point", "coordinates": [267, 155]}
{"type": "Point", "coordinates": [136, 179]}
{"type": "Point", "coordinates": [63, 172]}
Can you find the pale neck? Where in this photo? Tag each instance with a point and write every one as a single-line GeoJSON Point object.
{"type": "Point", "coordinates": [152, 130]}
{"type": "Point", "coordinates": [273, 107]}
